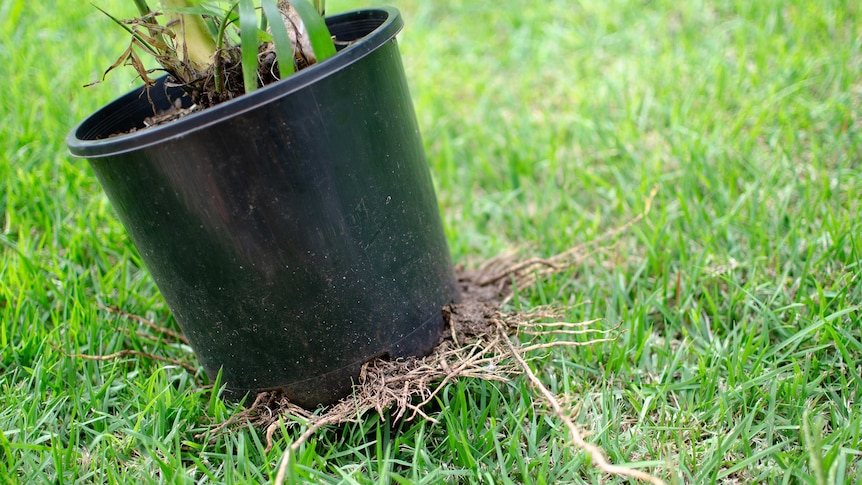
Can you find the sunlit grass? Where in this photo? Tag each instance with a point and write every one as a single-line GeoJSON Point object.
{"type": "Point", "coordinates": [547, 124]}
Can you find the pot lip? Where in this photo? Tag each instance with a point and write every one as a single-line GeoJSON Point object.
{"type": "Point", "coordinates": [351, 54]}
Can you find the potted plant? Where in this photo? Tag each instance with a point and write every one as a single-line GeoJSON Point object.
{"type": "Point", "coordinates": [293, 230]}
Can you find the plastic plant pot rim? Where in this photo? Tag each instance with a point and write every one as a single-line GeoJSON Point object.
{"type": "Point", "coordinates": [388, 29]}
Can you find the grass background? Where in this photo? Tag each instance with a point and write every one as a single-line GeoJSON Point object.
{"type": "Point", "coordinates": [547, 125]}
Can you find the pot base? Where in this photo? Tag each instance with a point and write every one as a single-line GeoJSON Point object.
{"type": "Point", "coordinates": [329, 388]}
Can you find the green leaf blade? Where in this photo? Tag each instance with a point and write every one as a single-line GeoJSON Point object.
{"type": "Point", "coordinates": [283, 47]}
{"type": "Point", "coordinates": [315, 25]}
{"type": "Point", "coordinates": [248, 46]}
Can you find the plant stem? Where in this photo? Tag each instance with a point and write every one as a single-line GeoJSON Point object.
{"type": "Point", "coordinates": [217, 64]}
{"type": "Point", "coordinates": [143, 8]}
{"type": "Point", "coordinates": [194, 43]}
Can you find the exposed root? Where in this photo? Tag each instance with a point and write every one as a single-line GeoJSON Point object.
{"type": "Point", "coordinates": [125, 353]}
{"type": "Point", "coordinates": [517, 270]}
{"type": "Point", "coordinates": [598, 458]}
{"type": "Point", "coordinates": [149, 323]}
{"type": "Point", "coordinates": [506, 268]}
{"type": "Point", "coordinates": [161, 333]}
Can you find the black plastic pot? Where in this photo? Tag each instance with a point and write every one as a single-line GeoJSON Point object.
{"type": "Point", "coordinates": [294, 232]}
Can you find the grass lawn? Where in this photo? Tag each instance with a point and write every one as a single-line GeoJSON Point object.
{"type": "Point", "coordinates": [547, 125]}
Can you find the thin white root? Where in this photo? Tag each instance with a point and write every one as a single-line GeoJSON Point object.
{"type": "Point", "coordinates": [285, 458]}
{"type": "Point", "coordinates": [595, 453]}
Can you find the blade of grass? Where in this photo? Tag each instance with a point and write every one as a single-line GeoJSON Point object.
{"type": "Point", "coordinates": [283, 47]}
{"type": "Point", "coordinates": [249, 47]}
{"type": "Point", "coordinates": [811, 439]}
{"type": "Point", "coordinates": [315, 25]}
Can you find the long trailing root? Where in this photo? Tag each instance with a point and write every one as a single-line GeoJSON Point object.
{"type": "Point", "coordinates": [162, 334]}
{"type": "Point", "coordinates": [136, 353]}
{"type": "Point", "coordinates": [598, 458]}
{"type": "Point", "coordinates": [505, 269]}
{"type": "Point", "coordinates": [146, 322]}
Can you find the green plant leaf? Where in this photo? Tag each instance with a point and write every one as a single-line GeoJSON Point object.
{"type": "Point", "coordinates": [230, 17]}
{"type": "Point", "coordinates": [315, 25]}
{"type": "Point", "coordinates": [283, 47]}
{"type": "Point", "coordinates": [248, 46]}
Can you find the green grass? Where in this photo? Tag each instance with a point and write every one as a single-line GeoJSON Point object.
{"type": "Point", "coordinates": [547, 124]}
